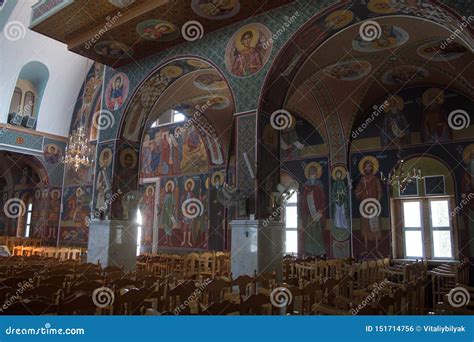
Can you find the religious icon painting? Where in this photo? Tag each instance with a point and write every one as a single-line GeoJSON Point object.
{"type": "Point", "coordinates": [405, 74]}
{"type": "Point", "coordinates": [368, 165]}
{"type": "Point", "coordinates": [210, 81]}
{"type": "Point", "coordinates": [381, 6]}
{"type": "Point", "coordinates": [389, 37]}
{"type": "Point", "coordinates": [248, 50]}
{"type": "Point", "coordinates": [128, 158]}
{"type": "Point", "coordinates": [313, 170]}
{"type": "Point", "coordinates": [349, 70]}
{"type": "Point", "coordinates": [52, 153]}
{"type": "Point", "coordinates": [158, 30]}
{"type": "Point", "coordinates": [340, 230]}
{"type": "Point", "coordinates": [216, 10]}
{"type": "Point", "coordinates": [113, 49]}
{"type": "Point", "coordinates": [218, 179]}
{"type": "Point", "coordinates": [117, 91]}
{"type": "Point", "coordinates": [56, 194]}
{"type": "Point", "coordinates": [434, 51]}
{"type": "Point", "coordinates": [105, 158]}
{"type": "Point", "coordinates": [395, 128]}
{"type": "Point", "coordinates": [338, 19]}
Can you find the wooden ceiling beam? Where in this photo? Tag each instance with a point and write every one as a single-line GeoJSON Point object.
{"type": "Point", "coordinates": [131, 14]}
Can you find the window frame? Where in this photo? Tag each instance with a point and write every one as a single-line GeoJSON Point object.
{"type": "Point", "coordinates": [413, 229]}
{"type": "Point", "coordinates": [450, 228]}
{"type": "Point", "coordinates": [29, 214]}
{"type": "Point", "coordinates": [426, 229]}
{"type": "Point", "coordinates": [17, 91]}
{"type": "Point", "coordinates": [292, 204]}
{"type": "Point", "coordinates": [31, 112]}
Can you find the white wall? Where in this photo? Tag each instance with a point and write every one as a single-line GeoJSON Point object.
{"type": "Point", "coordinates": [67, 71]}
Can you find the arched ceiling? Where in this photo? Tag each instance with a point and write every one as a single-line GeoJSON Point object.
{"type": "Point", "coordinates": [356, 73]}
{"type": "Point", "coordinates": [13, 165]}
{"type": "Point", "coordinates": [189, 84]}
{"type": "Point", "coordinates": [204, 92]}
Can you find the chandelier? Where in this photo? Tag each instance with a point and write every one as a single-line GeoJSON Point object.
{"type": "Point", "coordinates": [399, 177]}
{"type": "Point", "coordinates": [78, 150]}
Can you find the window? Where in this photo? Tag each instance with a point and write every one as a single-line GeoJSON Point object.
{"type": "Point", "coordinates": [291, 224]}
{"type": "Point", "coordinates": [28, 103]}
{"type": "Point", "coordinates": [429, 236]}
{"type": "Point", "coordinates": [178, 117]}
{"type": "Point", "coordinates": [413, 232]}
{"type": "Point", "coordinates": [28, 220]}
{"type": "Point", "coordinates": [139, 231]}
{"type": "Point", "coordinates": [440, 228]}
{"type": "Point", "coordinates": [16, 101]}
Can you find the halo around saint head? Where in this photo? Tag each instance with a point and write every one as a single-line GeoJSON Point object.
{"type": "Point", "coordinates": [319, 169]}
{"type": "Point", "coordinates": [375, 164]}
{"type": "Point", "coordinates": [339, 168]}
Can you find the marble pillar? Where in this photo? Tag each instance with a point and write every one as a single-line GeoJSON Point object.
{"type": "Point", "coordinates": [112, 243]}
{"type": "Point", "coordinates": [257, 246]}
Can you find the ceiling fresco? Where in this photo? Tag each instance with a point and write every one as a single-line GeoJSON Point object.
{"type": "Point", "coordinates": [115, 35]}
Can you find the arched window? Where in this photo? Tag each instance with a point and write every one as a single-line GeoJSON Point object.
{"type": "Point", "coordinates": [16, 101]}
{"type": "Point", "coordinates": [28, 103]}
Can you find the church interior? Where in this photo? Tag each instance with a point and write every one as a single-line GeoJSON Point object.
{"type": "Point", "coordinates": [236, 157]}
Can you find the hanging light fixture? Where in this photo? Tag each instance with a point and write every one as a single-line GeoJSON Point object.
{"type": "Point", "coordinates": [78, 149]}
{"type": "Point", "coordinates": [398, 176]}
